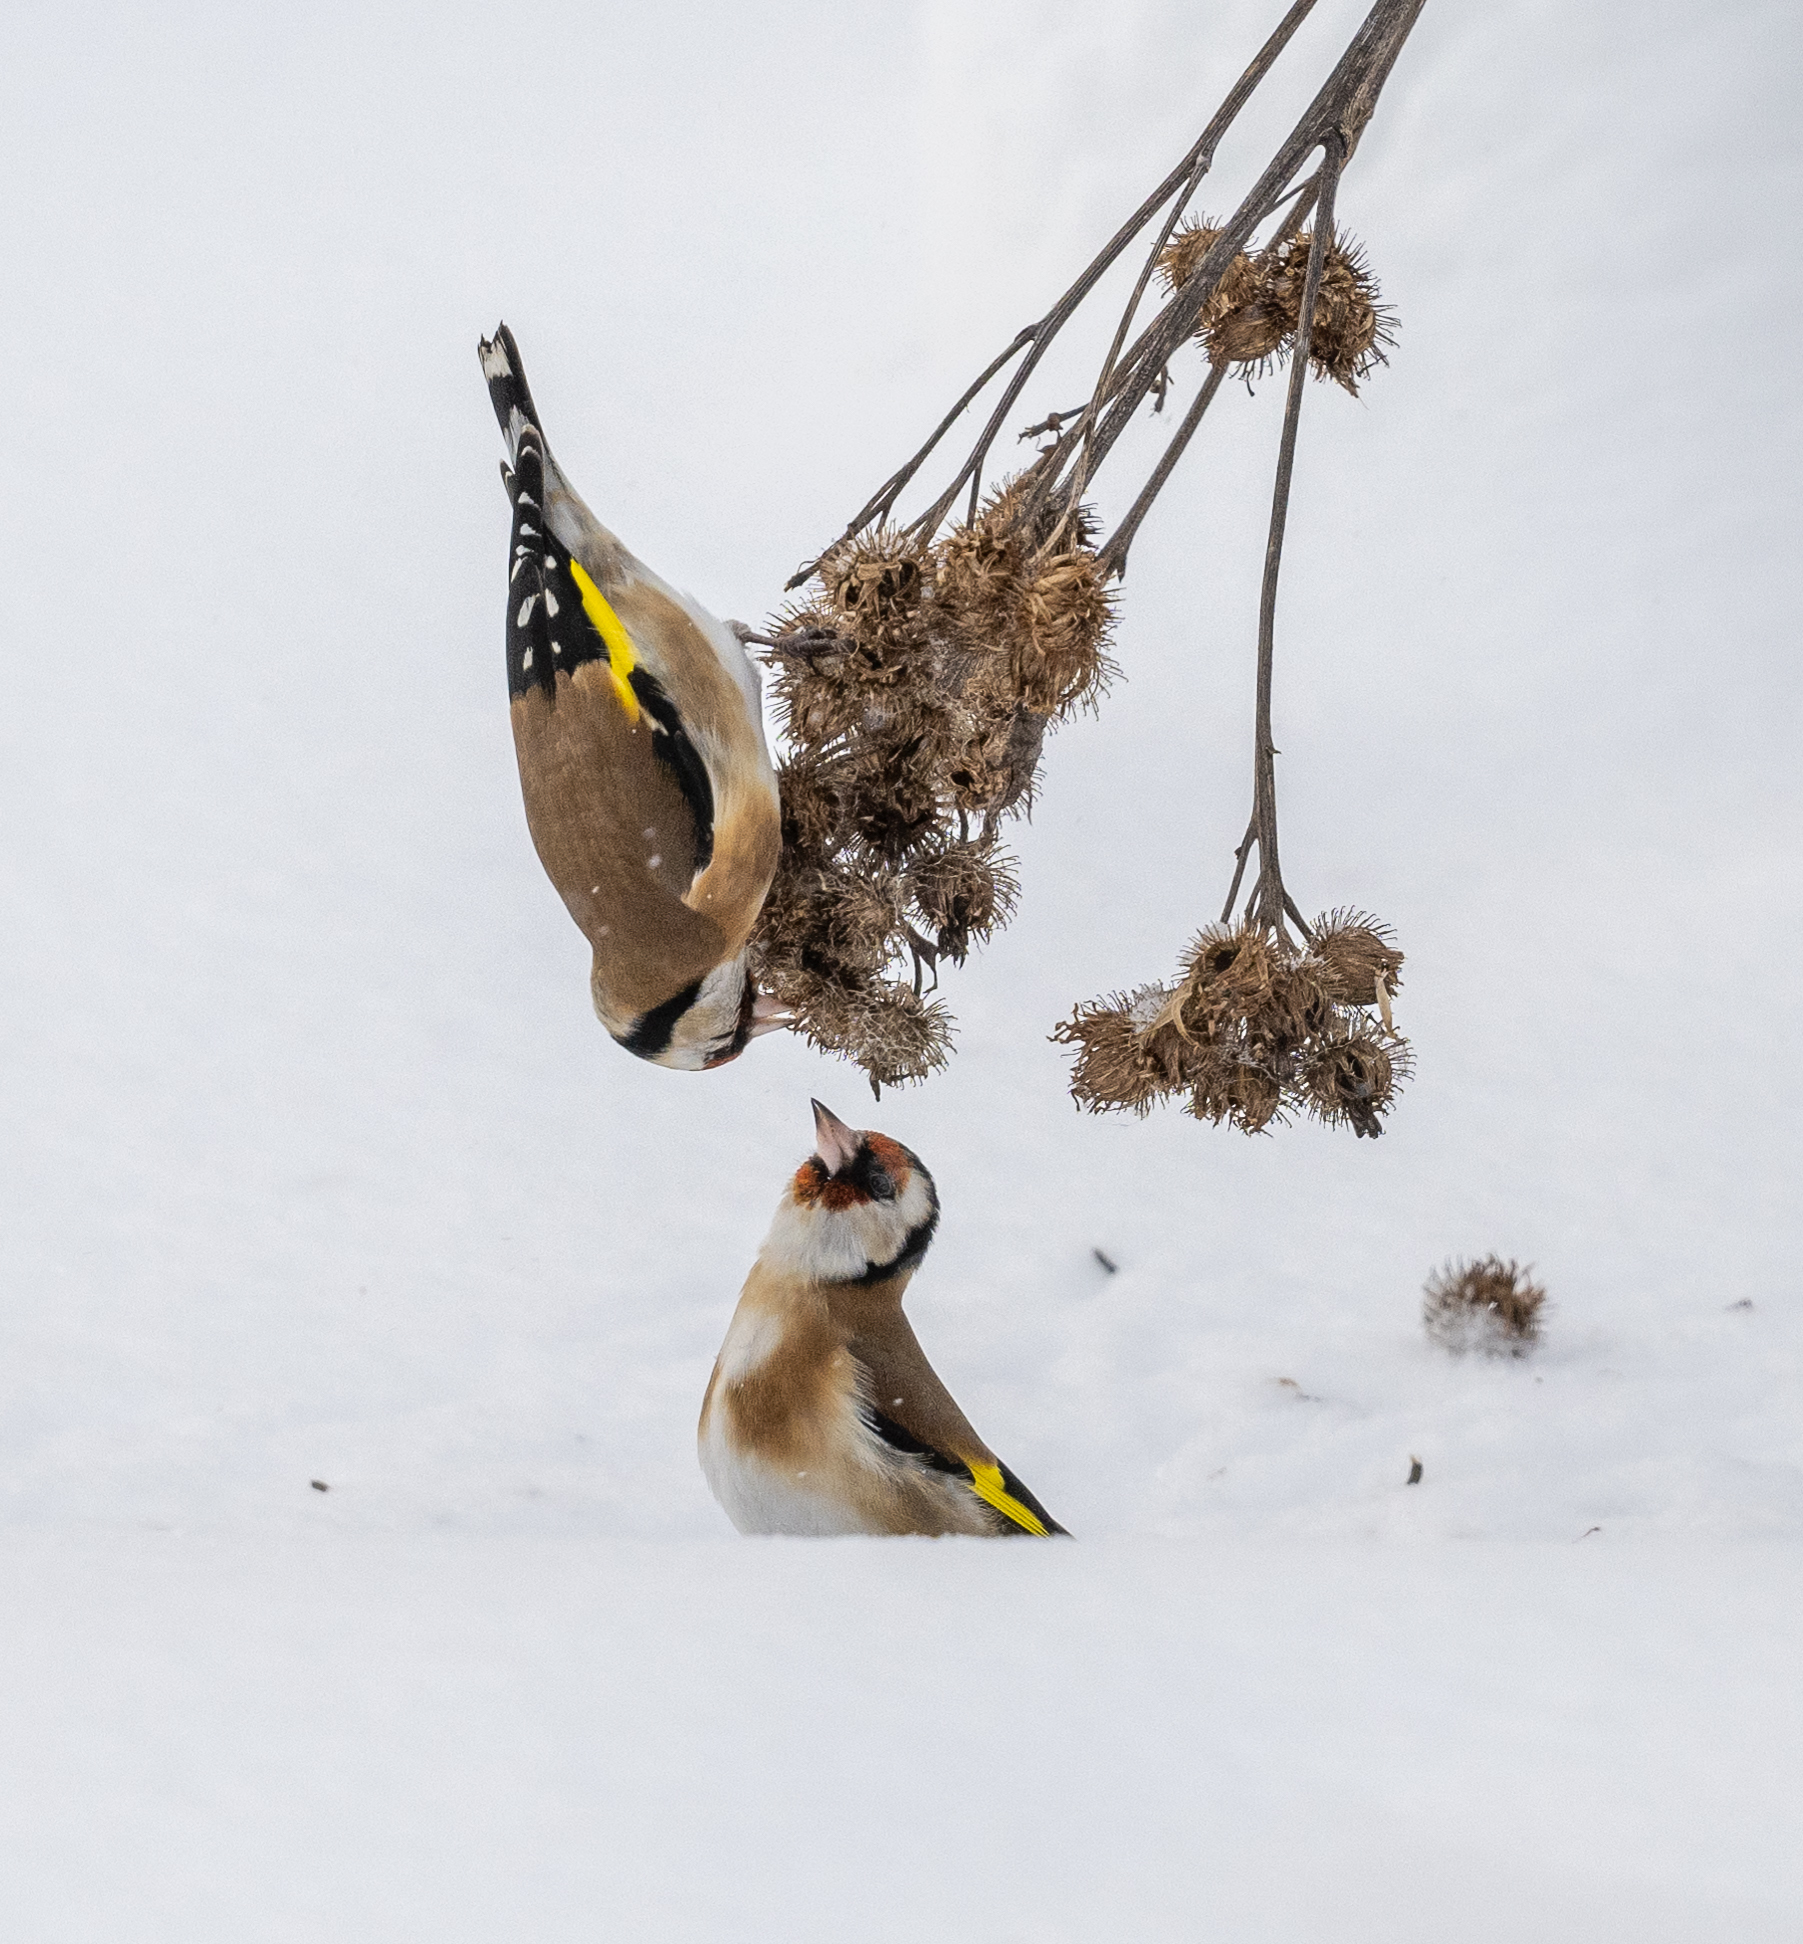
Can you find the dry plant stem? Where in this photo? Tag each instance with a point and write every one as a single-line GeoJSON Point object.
{"type": "Point", "coordinates": [1344, 104]}
{"type": "Point", "coordinates": [1239, 868]}
{"type": "Point", "coordinates": [1185, 178]}
{"type": "Point", "coordinates": [1096, 447]}
{"type": "Point", "coordinates": [1113, 555]}
{"type": "Point", "coordinates": [1187, 173]}
{"type": "Point", "coordinates": [1271, 903]}
{"type": "Point", "coordinates": [1113, 559]}
{"type": "Point", "coordinates": [1343, 107]}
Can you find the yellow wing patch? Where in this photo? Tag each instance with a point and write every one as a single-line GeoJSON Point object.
{"type": "Point", "coordinates": [986, 1481]}
{"type": "Point", "coordinates": [621, 660]}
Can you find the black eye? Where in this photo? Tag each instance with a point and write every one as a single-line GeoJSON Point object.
{"type": "Point", "coordinates": [880, 1185]}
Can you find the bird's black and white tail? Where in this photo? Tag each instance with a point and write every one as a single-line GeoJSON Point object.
{"type": "Point", "coordinates": [531, 603]}
{"type": "Point", "coordinates": [508, 391]}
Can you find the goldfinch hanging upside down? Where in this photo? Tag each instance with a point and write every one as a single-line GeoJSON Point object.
{"type": "Point", "coordinates": [648, 786]}
{"type": "Point", "coordinates": [823, 1414]}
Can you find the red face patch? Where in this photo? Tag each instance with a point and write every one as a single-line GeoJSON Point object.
{"type": "Point", "coordinates": [813, 1187]}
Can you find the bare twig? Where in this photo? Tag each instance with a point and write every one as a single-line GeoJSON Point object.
{"type": "Point", "coordinates": [1239, 868]}
{"type": "Point", "coordinates": [1185, 176]}
{"type": "Point", "coordinates": [1272, 903]}
{"type": "Point", "coordinates": [1113, 557]}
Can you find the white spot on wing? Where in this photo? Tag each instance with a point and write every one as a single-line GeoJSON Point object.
{"type": "Point", "coordinates": [525, 613]}
{"type": "Point", "coordinates": [494, 361]}
{"type": "Point", "coordinates": [550, 602]}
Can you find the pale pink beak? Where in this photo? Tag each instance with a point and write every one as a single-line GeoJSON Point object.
{"type": "Point", "coordinates": [768, 1016]}
{"type": "Point", "coordinates": [835, 1143]}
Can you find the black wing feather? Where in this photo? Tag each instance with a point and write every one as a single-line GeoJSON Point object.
{"type": "Point", "coordinates": [899, 1438]}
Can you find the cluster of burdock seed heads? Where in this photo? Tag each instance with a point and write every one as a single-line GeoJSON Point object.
{"type": "Point", "coordinates": [915, 684]}
{"type": "Point", "coordinates": [1490, 1306]}
{"type": "Point", "coordinates": [1254, 1031]}
{"type": "Point", "coordinates": [1250, 322]}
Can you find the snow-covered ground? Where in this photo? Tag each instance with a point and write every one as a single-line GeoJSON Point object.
{"type": "Point", "coordinates": [316, 1167]}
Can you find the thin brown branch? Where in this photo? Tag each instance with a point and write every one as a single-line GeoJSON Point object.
{"type": "Point", "coordinates": [1344, 102]}
{"type": "Point", "coordinates": [1269, 904]}
{"type": "Point", "coordinates": [1186, 174]}
{"type": "Point", "coordinates": [1239, 868]}
{"type": "Point", "coordinates": [1113, 557]}
{"type": "Point", "coordinates": [882, 502]}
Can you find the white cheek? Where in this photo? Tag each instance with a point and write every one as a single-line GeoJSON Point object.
{"type": "Point", "coordinates": [914, 1204]}
{"type": "Point", "coordinates": [810, 1244]}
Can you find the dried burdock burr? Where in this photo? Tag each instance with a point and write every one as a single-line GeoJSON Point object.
{"type": "Point", "coordinates": [1127, 1054]}
{"type": "Point", "coordinates": [897, 1035]}
{"type": "Point", "coordinates": [1353, 328]}
{"type": "Point", "coordinates": [864, 918]}
{"type": "Point", "coordinates": [1357, 958]}
{"type": "Point", "coordinates": [963, 891]}
{"type": "Point", "coordinates": [1351, 1081]}
{"type": "Point", "coordinates": [1243, 1092]}
{"type": "Point", "coordinates": [1489, 1306]}
{"type": "Point", "coordinates": [1227, 974]}
{"type": "Point", "coordinates": [892, 799]}
{"type": "Point", "coordinates": [1059, 634]}
{"type": "Point", "coordinates": [918, 677]}
{"type": "Point", "coordinates": [813, 803]}
{"type": "Point", "coordinates": [876, 581]}
{"type": "Point", "coordinates": [976, 575]}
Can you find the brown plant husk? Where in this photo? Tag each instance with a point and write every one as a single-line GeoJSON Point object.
{"type": "Point", "coordinates": [864, 916]}
{"type": "Point", "coordinates": [1226, 975]}
{"type": "Point", "coordinates": [915, 686]}
{"type": "Point", "coordinates": [1353, 329]}
{"type": "Point", "coordinates": [896, 1035]}
{"type": "Point", "coordinates": [1352, 951]}
{"type": "Point", "coordinates": [813, 803]}
{"type": "Point", "coordinates": [962, 891]}
{"type": "Point", "coordinates": [1350, 1081]}
{"type": "Point", "coordinates": [1126, 1059]}
{"type": "Point", "coordinates": [1063, 619]}
{"type": "Point", "coordinates": [1253, 317]}
{"type": "Point", "coordinates": [1490, 1306]}
{"type": "Point", "coordinates": [892, 796]}
{"type": "Point", "coordinates": [1241, 1092]}
{"type": "Point", "coordinates": [1182, 257]}
{"type": "Point", "coordinates": [875, 582]}
{"type": "Point", "coordinates": [1254, 1031]}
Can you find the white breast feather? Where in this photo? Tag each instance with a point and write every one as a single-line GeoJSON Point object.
{"type": "Point", "coordinates": [759, 1497]}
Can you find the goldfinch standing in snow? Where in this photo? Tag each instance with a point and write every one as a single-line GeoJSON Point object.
{"type": "Point", "coordinates": [823, 1414]}
{"type": "Point", "coordinates": [648, 786]}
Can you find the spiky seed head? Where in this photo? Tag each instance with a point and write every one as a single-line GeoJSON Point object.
{"type": "Point", "coordinates": [1060, 627]}
{"type": "Point", "coordinates": [1295, 1009]}
{"type": "Point", "coordinates": [863, 917]}
{"type": "Point", "coordinates": [1252, 335]}
{"type": "Point", "coordinates": [975, 569]}
{"type": "Point", "coordinates": [1353, 329]}
{"type": "Point", "coordinates": [1239, 286]}
{"type": "Point", "coordinates": [812, 804]}
{"type": "Point", "coordinates": [1226, 974]}
{"type": "Point", "coordinates": [895, 1035]}
{"type": "Point", "coordinates": [892, 797]}
{"type": "Point", "coordinates": [963, 891]}
{"type": "Point", "coordinates": [1351, 1081]}
{"type": "Point", "coordinates": [1230, 1088]}
{"type": "Point", "coordinates": [1490, 1306]}
{"type": "Point", "coordinates": [1125, 1058]}
{"type": "Point", "coordinates": [1351, 951]}
{"type": "Point", "coordinates": [874, 581]}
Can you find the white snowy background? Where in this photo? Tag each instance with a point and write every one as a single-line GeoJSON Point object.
{"type": "Point", "coordinates": [318, 1167]}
